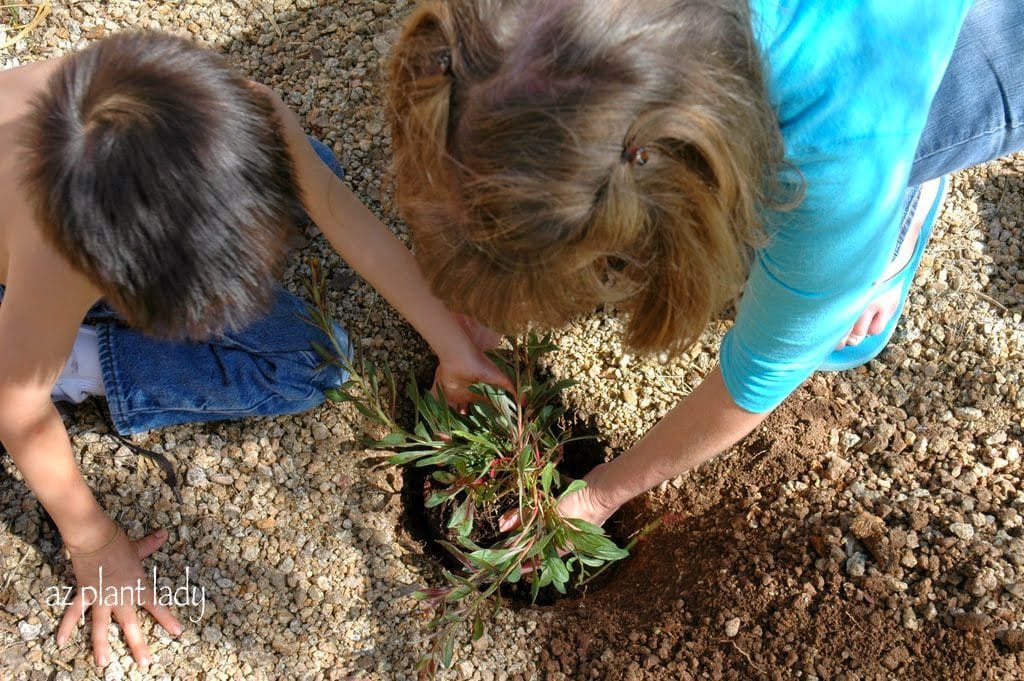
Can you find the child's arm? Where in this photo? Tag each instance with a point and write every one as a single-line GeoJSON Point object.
{"type": "Point", "coordinates": [386, 264]}
{"type": "Point", "coordinates": [39, 318]}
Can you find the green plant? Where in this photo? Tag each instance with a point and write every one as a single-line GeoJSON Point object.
{"type": "Point", "coordinates": [500, 457]}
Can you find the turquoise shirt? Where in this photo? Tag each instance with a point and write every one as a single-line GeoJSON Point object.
{"type": "Point", "coordinates": [852, 81]}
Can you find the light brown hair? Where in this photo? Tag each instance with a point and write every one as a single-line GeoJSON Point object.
{"type": "Point", "coordinates": [552, 156]}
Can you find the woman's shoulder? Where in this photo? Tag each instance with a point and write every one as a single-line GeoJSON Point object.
{"type": "Point", "coordinates": [852, 82]}
{"type": "Point", "coordinates": [831, 61]}
{"type": "Point", "coordinates": [846, 24]}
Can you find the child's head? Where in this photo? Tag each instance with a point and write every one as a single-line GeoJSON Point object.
{"type": "Point", "coordinates": [554, 155]}
{"type": "Point", "coordinates": [163, 177]}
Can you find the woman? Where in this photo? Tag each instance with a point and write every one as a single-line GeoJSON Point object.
{"type": "Point", "coordinates": [666, 156]}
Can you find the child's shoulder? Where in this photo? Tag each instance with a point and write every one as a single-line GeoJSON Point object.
{"type": "Point", "coordinates": [31, 268]}
{"type": "Point", "coordinates": [42, 294]}
{"type": "Point", "coordinates": [20, 87]}
{"type": "Point", "coordinates": [16, 214]}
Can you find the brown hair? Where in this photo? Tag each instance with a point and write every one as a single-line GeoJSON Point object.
{"type": "Point", "coordinates": [551, 156]}
{"type": "Point", "coordinates": [162, 176]}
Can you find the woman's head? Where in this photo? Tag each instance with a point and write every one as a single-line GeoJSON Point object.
{"type": "Point", "coordinates": [160, 174]}
{"type": "Point", "coordinates": [552, 156]}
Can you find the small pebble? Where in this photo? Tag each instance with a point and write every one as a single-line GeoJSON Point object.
{"type": "Point", "coordinates": [968, 413]}
{"type": "Point", "coordinates": [856, 564]}
{"type": "Point", "coordinates": [971, 621]}
{"type": "Point", "coordinates": [29, 631]}
{"type": "Point", "coordinates": [962, 530]}
{"type": "Point", "coordinates": [732, 627]}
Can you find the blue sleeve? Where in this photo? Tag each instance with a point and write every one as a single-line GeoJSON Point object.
{"type": "Point", "coordinates": [853, 82]}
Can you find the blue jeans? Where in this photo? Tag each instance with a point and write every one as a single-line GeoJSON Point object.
{"type": "Point", "coordinates": [268, 368]}
{"type": "Point", "coordinates": [978, 112]}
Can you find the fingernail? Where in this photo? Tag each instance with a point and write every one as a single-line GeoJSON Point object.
{"type": "Point", "coordinates": [61, 640]}
{"type": "Point", "coordinates": [176, 630]}
{"type": "Point", "coordinates": [144, 661]}
{"type": "Point", "coordinates": [101, 660]}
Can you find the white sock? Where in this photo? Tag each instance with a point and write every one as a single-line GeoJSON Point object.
{"type": "Point", "coordinates": [82, 377]}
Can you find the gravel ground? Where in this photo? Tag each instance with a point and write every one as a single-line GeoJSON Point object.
{"type": "Point", "coordinates": [904, 476]}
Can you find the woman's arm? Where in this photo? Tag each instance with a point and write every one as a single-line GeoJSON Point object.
{"type": "Point", "coordinates": [702, 425]}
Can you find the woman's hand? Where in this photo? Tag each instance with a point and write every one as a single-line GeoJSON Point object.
{"type": "Point", "coordinates": [116, 569]}
{"type": "Point", "coordinates": [587, 504]}
{"type": "Point", "coordinates": [590, 503]}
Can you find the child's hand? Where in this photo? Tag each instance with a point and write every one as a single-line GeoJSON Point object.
{"type": "Point", "coordinates": [481, 336]}
{"type": "Point", "coordinates": [455, 375]}
{"type": "Point", "coordinates": [119, 567]}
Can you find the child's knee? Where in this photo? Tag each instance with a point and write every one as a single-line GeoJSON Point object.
{"type": "Point", "coordinates": [330, 372]}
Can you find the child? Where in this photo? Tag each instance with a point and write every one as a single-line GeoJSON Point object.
{"type": "Point", "coordinates": [142, 171]}
{"type": "Point", "coordinates": [639, 153]}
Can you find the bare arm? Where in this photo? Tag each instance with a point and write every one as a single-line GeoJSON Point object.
{"type": "Point", "coordinates": [701, 426]}
{"type": "Point", "coordinates": [378, 255]}
{"type": "Point", "coordinates": [39, 318]}
{"type": "Point", "coordinates": [385, 263]}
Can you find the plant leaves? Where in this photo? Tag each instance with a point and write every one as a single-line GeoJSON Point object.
{"type": "Point", "coordinates": [545, 476]}
{"type": "Point", "coordinates": [426, 665]}
{"type": "Point", "coordinates": [448, 651]}
{"type": "Point", "coordinates": [583, 526]}
{"type": "Point", "coordinates": [335, 395]}
{"type": "Point", "coordinates": [597, 546]}
{"type": "Point", "coordinates": [574, 486]}
{"type": "Point", "coordinates": [403, 458]}
{"type": "Point", "coordinates": [554, 564]}
{"type": "Point", "coordinates": [321, 350]}
{"type": "Point", "coordinates": [490, 557]}
{"type": "Point", "coordinates": [457, 552]}
{"type": "Point", "coordinates": [458, 594]}
{"type": "Point", "coordinates": [507, 446]}
{"type": "Point", "coordinates": [443, 477]}
{"type": "Point", "coordinates": [390, 440]}
{"type": "Point", "coordinates": [460, 514]}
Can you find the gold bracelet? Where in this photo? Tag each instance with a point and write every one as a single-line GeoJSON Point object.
{"type": "Point", "coordinates": [68, 555]}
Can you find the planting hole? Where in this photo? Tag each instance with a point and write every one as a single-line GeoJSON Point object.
{"type": "Point", "coordinates": [428, 525]}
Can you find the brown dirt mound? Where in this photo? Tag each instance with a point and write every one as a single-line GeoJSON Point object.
{"type": "Point", "coordinates": [727, 589]}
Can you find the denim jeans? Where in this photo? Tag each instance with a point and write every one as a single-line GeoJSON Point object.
{"type": "Point", "coordinates": [978, 112]}
{"type": "Point", "coordinates": [266, 369]}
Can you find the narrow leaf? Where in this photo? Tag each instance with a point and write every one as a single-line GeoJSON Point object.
{"type": "Point", "coordinates": [391, 440]}
{"type": "Point", "coordinates": [335, 395]}
{"type": "Point", "coordinates": [574, 486]}
{"type": "Point", "coordinates": [448, 651]}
